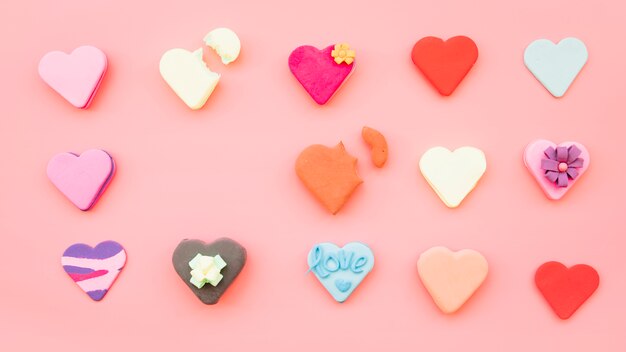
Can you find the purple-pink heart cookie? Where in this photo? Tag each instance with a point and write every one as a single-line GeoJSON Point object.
{"type": "Point", "coordinates": [318, 72]}
{"type": "Point", "coordinates": [556, 167]}
{"type": "Point", "coordinates": [82, 179]}
{"type": "Point", "coordinates": [76, 76]}
{"type": "Point", "coordinates": [94, 269]}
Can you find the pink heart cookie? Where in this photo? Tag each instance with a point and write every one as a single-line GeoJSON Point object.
{"type": "Point", "coordinates": [82, 179]}
{"type": "Point", "coordinates": [556, 167]}
{"type": "Point", "coordinates": [318, 70]}
{"type": "Point", "coordinates": [76, 76]}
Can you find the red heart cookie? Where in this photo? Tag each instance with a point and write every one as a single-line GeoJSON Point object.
{"type": "Point", "coordinates": [329, 173]}
{"type": "Point", "coordinates": [566, 289]}
{"type": "Point", "coordinates": [445, 64]}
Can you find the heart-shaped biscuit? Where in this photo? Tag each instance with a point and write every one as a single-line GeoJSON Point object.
{"type": "Point", "coordinates": [445, 63]}
{"type": "Point", "coordinates": [77, 76]}
{"type": "Point", "coordinates": [451, 278]}
{"type": "Point", "coordinates": [318, 72]}
{"type": "Point", "coordinates": [453, 175]}
{"type": "Point", "coordinates": [230, 251]}
{"type": "Point", "coordinates": [556, 65]}
{"type": "Point", "coordinates": [329, 173]}
{"type": "Point", "coordinates": [188, 76]}
{"type": "Point", "coordinates": [566, 289]}
{"type": "Point", "coordinates": [340, 270]}
{"type": "Point", "coordinates": [94, 269]}
{"type": "Point", "coordinates": [541, 159]}
{"type": "Point", "coordinates": [82, 179]}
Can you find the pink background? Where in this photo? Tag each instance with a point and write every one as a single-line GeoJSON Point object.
{"type": "Point", "coordinates": [227, 170]}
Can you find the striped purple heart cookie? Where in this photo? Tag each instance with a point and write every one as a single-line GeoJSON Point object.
{"type": "Point", "coordinates": [94, 269]}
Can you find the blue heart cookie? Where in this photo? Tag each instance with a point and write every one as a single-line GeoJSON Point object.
{"type": "Point", "coordinates": [340, 270]}
{"type": "Point", "coordinates": [556, 65]}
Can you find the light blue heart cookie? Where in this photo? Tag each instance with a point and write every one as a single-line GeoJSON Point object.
{"type": "Point", "coordinates": [340, 270]}
{"type": "Point", "coordinates": [556, 65]}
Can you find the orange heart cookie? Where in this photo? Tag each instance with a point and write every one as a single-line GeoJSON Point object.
{"type": "Point", "coordinates": [378, 145]}
{"type": "Point", "coordinates": [329, 173]}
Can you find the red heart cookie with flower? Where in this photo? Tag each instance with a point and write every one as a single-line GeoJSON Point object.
{"type": "Point", "coordinates": [322, 72]}
{"type": "Point", "coordinates": [556, 167]}
{"type": "Point", "coordinates": [445, 63]}
{"type": "Point", "coordinates": [566, 289]}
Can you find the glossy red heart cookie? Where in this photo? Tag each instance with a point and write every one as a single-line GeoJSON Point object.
{"type": "Point", "coordinates": [566, 289]}
{"type": "Point", "coordinates": [445, 63]}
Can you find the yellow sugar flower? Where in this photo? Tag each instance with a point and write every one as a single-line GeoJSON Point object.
{"type": "Point", "coordinates": [343, 53]}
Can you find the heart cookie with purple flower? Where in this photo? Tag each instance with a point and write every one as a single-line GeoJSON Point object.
{"type": "Point", "coordinates": [94, 269]}
{"type": "Point", "coordinates": [556, 167]}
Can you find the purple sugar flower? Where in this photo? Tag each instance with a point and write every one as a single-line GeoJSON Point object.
{"type": "Point", "coordinates": [562, 164]}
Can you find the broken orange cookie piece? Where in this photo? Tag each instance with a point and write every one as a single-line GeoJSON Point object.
{"type": "Point", "coordinates": [329, 173]}
{"type": "Point", "coordinates": [378, 145]}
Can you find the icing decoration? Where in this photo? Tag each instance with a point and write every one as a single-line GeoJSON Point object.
{"type": "Point", "coordinates": [378, 145]}
{"type": "Point", "coordinates": [225, 42]}
{"type": "Point", "coordinates": [445, 63]}
{"type": "Point", "coordinates": [75, 76]}
{"type": "Point", "coordinates": [562, 164]}
{"type": "Point", "coordinates": [566, 289]}
{"type": "Point", "coordinates": [453, 175]}
{"type": "Point", "coordinates": [451, 278]}
{"type": "Point", "coordinates": [556, 65]}
{"type": "Point", "coordinates": [317, 71]}
{"type": "Point", "coordinates": [94, 269]}
{"type": "Point", "coordinates": [82, 179]}
{"type": "Point", "coordinates": [329, 173]}
{"type": "Point", "coordinates": [343, 53]}
{"type": "Point", "coordinates": [542, 157]}
{"type": "Point", "coordinates": [206, 269]}
{"type": "Point", "coordinates": [231, 252]}
{"type": "Point", "coordinates": [340, 270]}
{"type": "Point", "coordinates": [188, 76]}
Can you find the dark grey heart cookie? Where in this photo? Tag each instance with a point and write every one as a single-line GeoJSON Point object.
{"type": "Point", "coordinates": [233, 254]}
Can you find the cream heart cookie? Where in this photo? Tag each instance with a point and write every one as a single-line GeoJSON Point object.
{"type": "Point", "coordinates": [556, 167]}
{"type": "Point", "coordinates": [451, 278]}
{"type": "Point", "coordinates": [188, 76]}
{"type": "Point", "coordinates": [225, 42]}
{"type": "Point", "coordinates": [453, 174]}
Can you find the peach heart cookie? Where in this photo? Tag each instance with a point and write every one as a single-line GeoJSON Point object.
{"type": "Point", "coordinates": [340, 270]}
{"type": "Point", "coordinates": [445, 63]}
{"type": "Point", "coordinates": [329, 173]}
{"type": "Point", "coordinates": [566, 289]}
{"type": "Point", "coordinates": [208, 269]}
{"type": "Point", "coordinates": [378, 145]}
{"type": "Point", "coordinates": [77, 76]}
{"type": "Point", "coordinates": [556, 167]}
{"type": "Point", "coordinates": [453, 174]}
{"type": "Point", "coordinates": [82, 178]}
{"type": "Point", "coordinates": [451, 278]}
{"type": "Point", "coordinates": [95, 269]}
{"type": "Point", "coordinates": [322, 72]}
{"type": "Point", "coordinates": [188, 76]}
